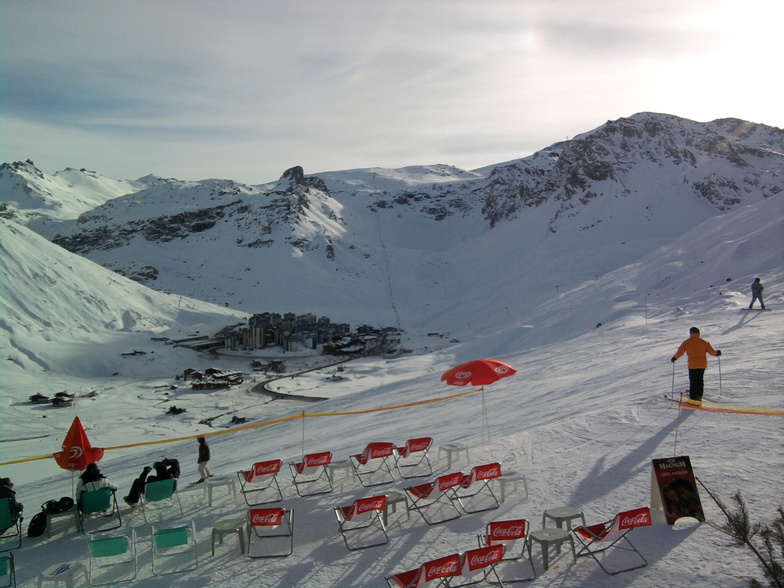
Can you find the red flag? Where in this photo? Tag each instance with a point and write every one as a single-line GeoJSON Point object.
{"type": "Point", "coordinates": [77, 452]}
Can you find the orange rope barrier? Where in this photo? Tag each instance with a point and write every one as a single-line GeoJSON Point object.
{"type": "Point", "coordinates": [729, 408]}
{"type": "Point", "coordinates": [262, 424]}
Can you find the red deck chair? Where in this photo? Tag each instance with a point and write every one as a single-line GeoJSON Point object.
{"type": "Point", "coordinates": [372, 465]}
{"type": "Point", "coordinates": [598, 538]}
{"type": "Point", "coordinates": [363, 519]}
{"type": "Point", "coordinates": [431, 574]}
{"type": "Point", "coordinates": [259, 484]}
{"type": "Point", "coordinates": [312, 474]}
{"type": "Point", "coordinates": [475, 493]}
{"type": "Point", "coordinates": [411, 460]}
{"type": "Point", "coordinates": [510, 534]}
{"type": "Point", "coordinates": [477, 564]}
{"type": "Point", "coordinates": [271, 532]}
{"type": "Point", "coordinates": [434, 499]}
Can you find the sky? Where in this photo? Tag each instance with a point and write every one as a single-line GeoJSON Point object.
{"type": "Point", "coordinates": [247, 89]}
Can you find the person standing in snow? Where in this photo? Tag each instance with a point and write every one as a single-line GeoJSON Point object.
{"type": "Point", "coordinates": [696, 349]}
{"type": "Point", "coordinates": [204, 457]}
{"type": "Point", "coordinates": [756, 293]}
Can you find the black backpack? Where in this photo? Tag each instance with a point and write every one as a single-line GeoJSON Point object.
{"type": "Point", "coordinates": [37, 525]}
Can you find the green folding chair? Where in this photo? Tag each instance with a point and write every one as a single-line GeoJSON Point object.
{"type": "Point", "coordinates": [112, 559]}
{"type": "Point", "coordinates": [160, 491]}
{"type": "Point", "coordinates": [12, 529]}
{"type": "Point", "coordinates": [99, 504]}
{"type": "Point", "coordinates": [174, 549]}
{"type": "Point", "coordinates": [7, 570]}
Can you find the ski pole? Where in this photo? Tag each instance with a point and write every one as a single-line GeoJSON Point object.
{"type": "Point", "coordinates": [672, 394]}
{"type": "Point", "coordinates": [721, 391]}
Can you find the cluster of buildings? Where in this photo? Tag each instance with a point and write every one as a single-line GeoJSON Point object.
{"type": "Point", "coordinates": [293, 332]}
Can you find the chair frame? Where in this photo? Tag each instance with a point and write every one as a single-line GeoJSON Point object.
{"type": "Point", "coordinates": [130, 548]}
{"type": "Point", "coordinates": [304, 472]}
{"type": "Point", "coordinates": [374, 459]}
{"type": "Point", "coordinates": [508, 533]}
{"type": "Point", "coordinates": [5, 509]}
{"type": "Point", "coordinates": [273, 518]}
{"type": "Point", "coordinates": [259, 478]}
{"type": "Point", "coordinates": [111, 499]}
{"type": "Point", "coordinates": [480, 560]}
{"type": "Point", "coordinates": [11, 569]}
{"type": "Point", "coordinates": [478, 483]}
{"type": "Point", "coordinates": [612, 533]}
{"type": "Point", "coordinates": [412, 455]}
{"type": "Point", "coordinates": [144, 499]}
{"type": "Point", "coordinates": [158, 543]}
{"type": "Point", "coordinates": [436, 570]}
{"type": "Point", "coordinates": [363, 514]}
{"type": "Point", "coordinates": [436, 493]}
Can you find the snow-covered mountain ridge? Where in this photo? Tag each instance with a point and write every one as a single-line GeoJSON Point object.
{"type": "Point", "coordinates": [373, 234]}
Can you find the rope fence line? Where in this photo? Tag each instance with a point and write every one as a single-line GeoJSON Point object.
{"type": "Point", "coordinates": [729, 408]}
{"type": "Point", "coordinates": [293, 417]}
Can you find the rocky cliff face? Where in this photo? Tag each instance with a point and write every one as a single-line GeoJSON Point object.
{"type": "Point", "coordinates": [617, 178]}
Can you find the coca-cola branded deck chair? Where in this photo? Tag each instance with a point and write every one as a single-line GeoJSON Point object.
{"type": "Point", "coordinates": [372, 465]}
{"type": "Point", "coordinates": [411, 460]}
{"type": "Point", "coordinates": [271, 532]}
{"type": "Point", "coordinates": [512, 534]}
{"type": "Point", "coordinates": [598, 538]}
{"type": "Point", "coordinates": [310, 476]}
{"type": "Point", "coordinates": [476, 565]}
{"type": "Point", "coordinates": [434, 500]}
{"type": "Point", "coordinates": [363, 521]}
{"type": "Point", "coordinates": [475, 493]}
{"type": "Point", "coordinates": [259, 484]}
{"type": "Point", "coordinates": [431, 574]}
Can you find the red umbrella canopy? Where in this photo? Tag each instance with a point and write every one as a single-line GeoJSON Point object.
{"type": "Point", "coordinates": [77, 451]}
{"type": "Point", "coordinates": [478, 372]}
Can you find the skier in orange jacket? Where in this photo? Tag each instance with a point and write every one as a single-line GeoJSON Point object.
{"type": "Point", "coordinates": [697, 349]}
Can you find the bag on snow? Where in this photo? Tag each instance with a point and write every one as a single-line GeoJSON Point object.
{"type": "Point", "coordinates": [37, 525]}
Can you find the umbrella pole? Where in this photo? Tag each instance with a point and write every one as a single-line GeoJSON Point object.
{"type": "Point", "coordinates": [485, 423]}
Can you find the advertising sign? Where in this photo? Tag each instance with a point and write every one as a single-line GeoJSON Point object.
{"type": "Point", "coordinates": [674, 489]}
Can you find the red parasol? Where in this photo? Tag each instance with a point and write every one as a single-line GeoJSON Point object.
{"type": "Point", "coordinates": [77, 451]}
{"type": "Point", "coordinates": [478, 372]}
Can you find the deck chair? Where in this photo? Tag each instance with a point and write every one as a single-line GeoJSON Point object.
{"type": "Point", "coordinates": [511, 534]}
{"type": "Point", "coordinates": [477, 564]}
{"type": "Point", "coordinates": [174, 549]}
{"type": "Point", "coordinates": [259, 485]}
{"type": "Point", "coordinates": [434, 573]}
{"type": "Point", "coordinates": [310, 476]}
{"type": "Point", "coordinates": [475, 494]}
{"type": "Point", "coordinates": [8, 570]}
{"type": "Point", "coordinates": [99, 505]}
{"type": "Point", "coordinates": [411, 460]}
{"type": "Point", "coordinates": [596, 539]}
{"type": "Point", "coordinates": [363, 520]}
{"type": "Point", "coordinates": [12, 529]}
{"type": "Point", "coordinates": [112, 559]}
{"type": "Point", "coordinates": [434, 499]}
{"type": "Point", "coordinates": [157, 492]}
{"type": "Point", "coordinates": [271, 532]}
{"type": "Point", "coordinates": [372, 465]}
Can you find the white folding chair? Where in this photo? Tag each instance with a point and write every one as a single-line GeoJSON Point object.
{"type": "Point", "coordinates": [434, 500]}
{"type": "Point", "coordinates": [271, 532]}
{"type": "Point", "coordinates": [412, 460]}
{"type": "Point", "coordinates": [112, 559]}
{"type": "Point", "coordinates": [511, 534]}
{"type": "Point", "coordinates": [174, 549]}
{"type": "Point", "coordinates": [259, 485]}
{"type": "Point", "coordinates": [599, 538]}
{"type": "Point", "coordinates": [364, 522]}
{"type": "Point", "coordinates": [311, 476]}
{"type": "Point", "coordinates": [431, 574]}
{"type": "Point", "coordinates": [477, 564]}
{"type": "Point", "coordinates": [475, 494]}
{"type": "Point", "coordinates": [372, 465]}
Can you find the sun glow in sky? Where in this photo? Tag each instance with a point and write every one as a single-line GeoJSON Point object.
{"type": "Point", "coordinates": [247, 89]}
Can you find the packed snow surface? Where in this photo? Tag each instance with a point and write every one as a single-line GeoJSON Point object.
{"type": "Point", "coordinates": [581, 420]}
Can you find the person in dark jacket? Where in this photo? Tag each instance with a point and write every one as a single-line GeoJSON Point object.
{"type": "Point", "coordinates": [204, 457]}
{"type": "Point", "coordinates": [697, 350]}
{"type": "Point", "coordinates": [16, 508]}
{"type": "Point", "coordinates": [756, 293]}
{"type": "Point", "coordinates": [90, 480]}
